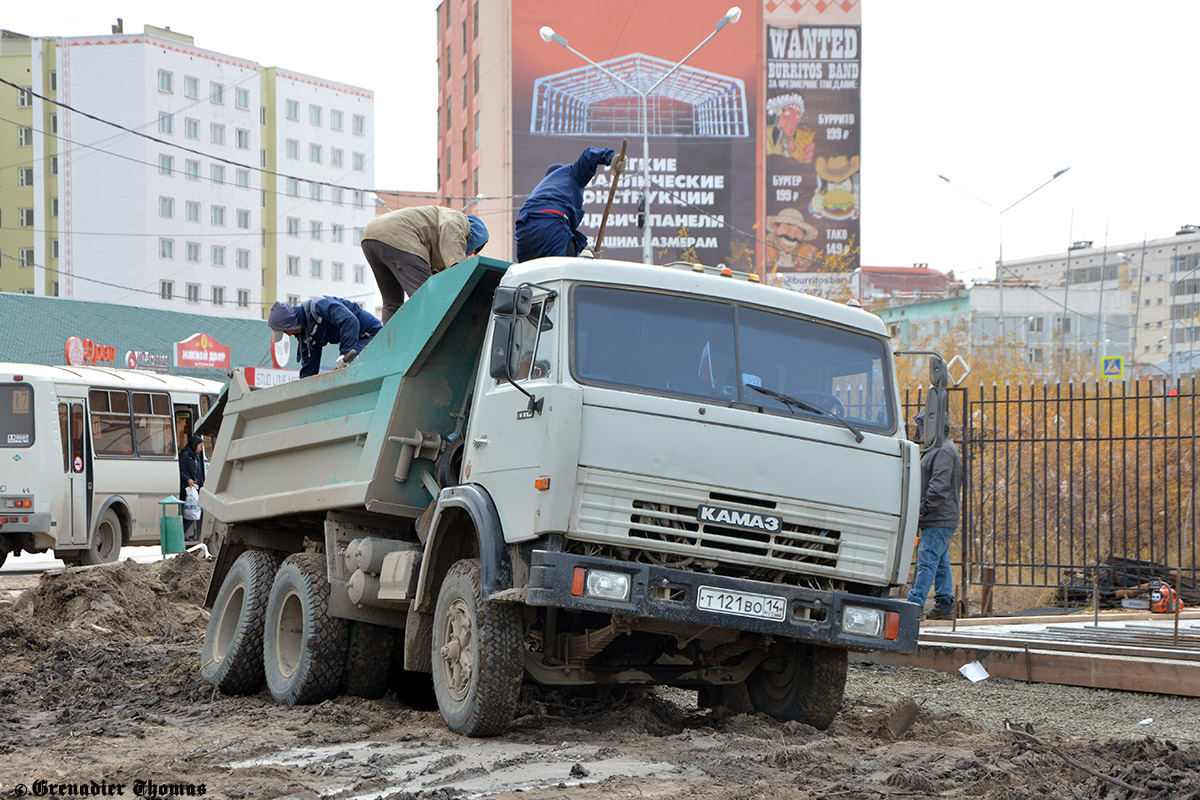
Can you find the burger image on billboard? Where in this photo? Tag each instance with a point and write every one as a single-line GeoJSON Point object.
{"type": "Point", "coordinates": [836, 196]}
{"type": "Point", "coordinates": [839, 204]}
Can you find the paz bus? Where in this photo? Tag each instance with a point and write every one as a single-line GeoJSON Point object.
{"type": "Point", "coordinates": [87, 453]}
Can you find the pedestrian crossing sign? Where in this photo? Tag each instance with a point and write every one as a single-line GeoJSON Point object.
{"type": "Point", "coordinates": [1113, 367]}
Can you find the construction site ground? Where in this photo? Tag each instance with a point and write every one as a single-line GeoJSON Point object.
{"type": "Point", "coordinates": [99, 683]}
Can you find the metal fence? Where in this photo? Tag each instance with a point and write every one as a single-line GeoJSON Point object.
{"type": "Point", "coordinates": [1065, 481]}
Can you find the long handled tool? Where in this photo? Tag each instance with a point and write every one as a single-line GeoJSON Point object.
{"type": "Point", "coordinates": [611, 191]}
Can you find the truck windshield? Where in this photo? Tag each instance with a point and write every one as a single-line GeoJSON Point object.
{"type": "Point", "coordinates": [720, 351]}
{"type": "Point", "coordinates": [16, 415]}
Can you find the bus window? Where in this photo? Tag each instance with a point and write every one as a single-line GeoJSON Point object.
{"type": "Point", "coordinates": [112, 433]}
{"type": "Point", "coordinates": [16, 415]}
{"type": "Point", "coordinates": [77, 433]}
{"type": "Point", "coordinates": [64, 433]}
{"type": "Point", "coordinates": [153, 425]}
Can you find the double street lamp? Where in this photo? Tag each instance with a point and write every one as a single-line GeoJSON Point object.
{"type": "Point", "coordinates": [1000, 212]}
{"type": "Point", "coordinates": [548, 35]}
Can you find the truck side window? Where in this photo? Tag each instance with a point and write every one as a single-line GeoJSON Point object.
{"type": "Point", "coordinates": [535, 342]}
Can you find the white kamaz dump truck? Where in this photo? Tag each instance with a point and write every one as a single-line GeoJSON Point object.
{"type": "Point", "coordinates": [570, 471]}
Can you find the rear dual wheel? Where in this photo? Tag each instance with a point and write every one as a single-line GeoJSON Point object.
{"type": "Point", "coordinates": [304, 648]}
{"type": "Point", "coordinates": [232, 657]}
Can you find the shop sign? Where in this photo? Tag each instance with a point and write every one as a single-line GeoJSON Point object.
{"type": "Point", "coordinates": [202, 350]}
{"type": "Point", "coordinates": [263, 377]}
{"type": "Point", "coordinates": [144, 360]}
{"type": "Point", "coordinates": [85, 351]}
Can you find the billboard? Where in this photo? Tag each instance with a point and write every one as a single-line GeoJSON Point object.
{"type": "Point", "coordinates": [701, 121]}
{"type": "Point", "coordinates": [812, 144]}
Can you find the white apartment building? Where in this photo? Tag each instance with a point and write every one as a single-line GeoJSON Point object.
{"type": "Point", "coordinates": [192, 222]}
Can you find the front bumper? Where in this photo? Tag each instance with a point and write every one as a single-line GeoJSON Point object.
{"type": "Point", "coordinates": [813, 615]}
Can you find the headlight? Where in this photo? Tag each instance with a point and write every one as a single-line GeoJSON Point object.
{"type": "Point", "coordinates": [861, 621]}
{"type": "Point", "coordinates": [604, 585]}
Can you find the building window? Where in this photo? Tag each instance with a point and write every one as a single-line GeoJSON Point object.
{"type": "Point", "coordinates": [166, 81]}
{"type": "Point", "coordinates": [335, 157]}
{"type": "Point", "coordinates": [293, 187]}
{"type": "Point", "coordinates": [243, 298]}
{"type": "Point", "coordinates": [293, 109]}
{"type": "Point", "coordinates": [25, 176]}
{"type": "Point", "coordinates": [314, 191]}
{"type": "Point", "coordinates": [218, 256]}
{"type": "Point", "coordinates": [293, 268]}
{"type": "Point", "coordinates": [218, 173]}
{"type": "Point", "coordinates": [335, 195]}
{"type": "Point", "coordinates": [360, 273]}
{"type": "Point", "coordinates": [292, 148]}
{"type": "Point", "coordinates": [54, 123]}
{"type": "Point", "coordinates": [314, 115]}
{"type": "Point", "coordinates": [314, 230]}
{"type": "Point", "coordinates": [241, 99]}
{"type": "Point", "coordinates": [192, 250]}
{"type": "Point", "coordinates": [25, 137]}
{"type": "Point", "coordinates": [191, 129]}
{"type": "Point", "coordinates": [166, 289]}
{"type": "Point", "coordinates": [191, 86]}
{"type": "Point", "coordinates": [475, 181]}
{"type": "Point", "coordinates": [293, 226]}
{"type": "Point", "coordinates": [216, 92]}
{"type": "Point", "coordinates": [218, 215]}
{"type": "Point", "coordinates": [358, 233]}
{"type": "Point", "coordinates": [242, 259]}
{"type": "Point", "coordinates": [54, 248]}
{"type": "Point", "coordinates": [218, 295]}
{"type": "Point", "coordinates": [242, 139]}
{"type": "Point", "coordinates": [54, 207]}
{"type": "Point", "coordinates": [358, 199]}
{"type": "Point", "coordinates": [359, 125]}
{"type": "Point", "coordinates": [314, 267]}
{"type": "Point", "coordinates": [216, 133]}
{"type": "Point", "coordinates": [25, 97]}
{"type": "Point", "coordinates": [336, 269]}
{"type": "Point", "coordinates": [166, 248]}
{"type": "Point", "coordinates": [26, 254]}
{"type": "Point", "coordinates": [464, 35]}
{"type": "Point", "coordinates": [166, 207]}
{"type": "Point", "coordinates": [314, 153]}
{"type": "Point", "coordinates": [464, 91]}
{"type": "Point", "coordinates": [464, 144]}
{"type": "Point", "coordinates": [335, 119]}
{"type": "Point", "coordinates": [53, 165]}
{"type": "Point", "coordinates": [476, 140]}
{"type": "Point", "coordinates": [475, 21]}
{"type": "Point", "coordinates": [25, 217]}
{"type": "Point", "coordinates": [293, 299]}
{"type": "Point", "coordinates": [243, 178]}
{"type": "Point", "coordinates": [166, 123]}
{"type": "Point", "coordinates": [192, 169]}
{"type": "Point", "coordinates": [243, 219]}
{"type": "Point", "coordinates": [53, 80]}
{"type": "Point", "coordinates": [193, 211]}
{"type": "Point", "coordinates": [166, 165]}
{"type": "Point", "coordinates": [337, 232]}
{"type": "Point", "coordinates": [358, 162]}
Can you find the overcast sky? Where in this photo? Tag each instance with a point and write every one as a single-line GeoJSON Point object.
{"type": "Point", "coordinates": [997, 96]}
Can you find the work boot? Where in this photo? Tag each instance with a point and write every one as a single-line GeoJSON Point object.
{"type": "Point", "coordinates": [940, 611]}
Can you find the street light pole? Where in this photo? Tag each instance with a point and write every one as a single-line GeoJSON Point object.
{"type": "Point", "coordinates": [548, 35]}
{"type": "Point", "coordinates": [1000, 216]}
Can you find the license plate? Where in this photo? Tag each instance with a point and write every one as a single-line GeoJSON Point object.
{"type": "Point", "coordinates": [742, 604]}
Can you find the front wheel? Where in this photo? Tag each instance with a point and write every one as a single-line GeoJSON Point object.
{"type": "Point", "coordinates": [105, 544]}
{"type": "Point", "coordinates": [800, 682]}
{"type": "Point", "coordinates": [477, 658]}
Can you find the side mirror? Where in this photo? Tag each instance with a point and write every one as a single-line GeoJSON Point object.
{"type": "Point", "coordinates": [937, 410]}
{"type": "Point", "coordinates": [501, 360]}
{"type": "Point", "coordinates": [939, 375]}
{"type": "Point", "coordinates": [512, 302]}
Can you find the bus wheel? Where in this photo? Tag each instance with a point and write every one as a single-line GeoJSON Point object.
{"type": "Point", "coordinates": [232, 657]}
{"type": "Point", "coordinates": [304, 649]}
{"type": "Point", "coordinates": [368, 660]}
{"type": "Point", "coordinates": [478, 660]}
{"type": "Point", "coordinates": [106, 541]}
{"type": "Point", "coordinates": [800, 682]}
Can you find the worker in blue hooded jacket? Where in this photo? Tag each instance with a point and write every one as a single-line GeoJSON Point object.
{"type": "Point", "coordinates": [548, 222]}
{"type": "Point", "coordinates": [321, 321]}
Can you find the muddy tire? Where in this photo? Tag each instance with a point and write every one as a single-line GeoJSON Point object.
{"type": "Point", "coordinates": [733, 697]}
{"type": "Point", "coordinates": [304, 649]}
{"type": "Point", "coordinates": [803, 683]}
{"type": "Point", "coordinates": [477, 657]}
{"type": "Point", "coordinates": [412, 687]}
{"type": "Point", "coordinates": [368, 660]}
{"type": "Point", "coordinates": [105, 544]}
{"type": "Point", "coordinates": [232, 656]}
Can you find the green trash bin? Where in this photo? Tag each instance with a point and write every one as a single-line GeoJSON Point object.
{"type": "Point", "coordinates": [170, 527]}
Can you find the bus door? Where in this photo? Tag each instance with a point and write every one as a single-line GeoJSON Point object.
{"type": "Point", "coordinates": [185, 425]}
{"type": "Point", "coordinates": [77, 465]}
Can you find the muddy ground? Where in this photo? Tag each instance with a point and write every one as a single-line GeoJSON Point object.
{"type": "Point", "coordinates": [99, 686]}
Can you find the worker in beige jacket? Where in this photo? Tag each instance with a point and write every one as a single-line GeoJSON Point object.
{"type": "Point", "coordinates": [405, 247]}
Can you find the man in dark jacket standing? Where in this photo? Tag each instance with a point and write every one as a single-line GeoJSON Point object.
{"type": "Point", "coordinates": [548, 222]}
{"type": "Point", "coordinates": [191, 472]}
{"type": "Point", "coordinates": [321, 321]}
{"type": "Point", "coordinates": [941, 486]}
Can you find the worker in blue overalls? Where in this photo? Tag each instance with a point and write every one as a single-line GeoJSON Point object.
{"type": "Point", "coordinates": [321, 321]}
{"type": "Point", "coordinates": [548, 222]}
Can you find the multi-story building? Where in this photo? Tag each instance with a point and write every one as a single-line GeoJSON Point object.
{"type": "Point", "coordinates": [161, 174]}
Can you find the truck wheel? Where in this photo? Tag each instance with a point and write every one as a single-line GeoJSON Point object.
{"type": "Point", "coordinates": [733, 697]}
{"type": "Point", "coordinates": [105, 544]}
{"type": "Point", "coordinates": [304, 649]}
{"type": "Point", "coordinates": [803, 683]}
{"type": "Point", "coordinates": [368, 660]}
{"type": "Point", "coordinates": [232, 657]}
{"type": "Point", "coordinates": [477, 656]}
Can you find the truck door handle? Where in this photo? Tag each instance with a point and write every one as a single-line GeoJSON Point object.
{"type": "Point", "coordinates": [480, 442]}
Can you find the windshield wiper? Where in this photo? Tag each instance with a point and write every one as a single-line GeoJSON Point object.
{"type": "Point", "coordinates": [793, 403]}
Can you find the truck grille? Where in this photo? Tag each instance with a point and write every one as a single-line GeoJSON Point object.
{"type": "Point", "coordinates": [661, 519]}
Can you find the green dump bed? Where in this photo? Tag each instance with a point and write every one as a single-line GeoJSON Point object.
{"type": "Point", "coordinates": [329, 441]}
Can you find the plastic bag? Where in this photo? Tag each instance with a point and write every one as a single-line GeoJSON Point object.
{"type": "Point", "coordinates": [191, 505]}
